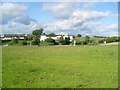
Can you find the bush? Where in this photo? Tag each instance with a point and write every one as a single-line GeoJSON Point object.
{"type": "Point", "coordinates": [101, 41]}
{"type": "Point", "coordinates": [64, 42]}
{"type": "Point", "coordinates": [35, 41]}
{"type": "Point", "coordinates": [61, 41]}
{"type": "Point", "coordinates": [84, 43]}
{"type": "Point", "coordinates": [14, 41]}
{"type": "Point", "coordinates": [87, 39]}
{"type": "Point", "coordinates": [24, 42]}
{"type": "Point", "coordinates": [5, 41]}
{"type": "Point", "coordinates": [67, 41]}
{"type": "Point", "coordinates": [111, 39]}
{"type": "Point", "coordinates": [51, 41]}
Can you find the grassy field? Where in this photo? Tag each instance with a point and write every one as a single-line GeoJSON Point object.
{"type": "Point", "coordinates": [60, 67]}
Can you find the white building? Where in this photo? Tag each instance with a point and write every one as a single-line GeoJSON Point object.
{"type": "Point", "coordinates": [43, 37]}
{"type": "Point", "coordinates": [58, 37]}
{"type": "Point", "coordinates": [65, 36]}
{"type": "Point", "coordinates": [11, 36]}
{"type": "Point", "coordinates": [22, 38]}
{"type": "Point", "coordinates": [7, 38]}
{"type": "Point", "coordinates": [55, 38]}
{"type": "Point", "coordinates": [71, 38]}
{"type": "Point", "coordinates": [2, 35]}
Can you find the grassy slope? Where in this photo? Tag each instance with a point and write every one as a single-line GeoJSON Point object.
{"type": "Point", "coordinates": [92, 38]}
{"type": "Point", "coordinates": [84, 67]}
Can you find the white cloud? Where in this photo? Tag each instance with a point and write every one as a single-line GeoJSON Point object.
{"type": "Point", "coordinates": [84, 28]}
{"type": "Point", "coordinates": [61, 10]}
{"type": "Point", "coordinates": [14, 12]}
{"type": "Point", "coordinates": [89, 15]}
{"type": "Point", "coordinates": [101, 29]}
{"type": "Point", "coordinates": [79, 21]}
{"type": "Point", "coordinates": [16, 27]}
{"type": "Point", "coordinates": [69, 19]}
{"type": "Point", "coordinates": [15, 19]}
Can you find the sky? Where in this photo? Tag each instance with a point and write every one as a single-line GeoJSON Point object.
{"type": "Point", "coordinates": [86, 18]}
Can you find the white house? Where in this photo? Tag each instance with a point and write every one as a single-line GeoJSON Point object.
{"type": "Point", "coordinates": [58, 37]}
{"type": "Point", "coordinates": [43, 37]}
{"type": "Point", "coordinates": [55, 38]}
{"type": "Point", "coordinates": [65, 36]}
{"type": "Point", "coordinates": [22, 38]}
{"type": "Point", "coordinates": [7, 38]}
{"type": "Point", "coordinates": [2, 35]}
{"type": "Point", "coordinates": [11, 36]}
{"type": "Point", "coordinates": [71, 38]}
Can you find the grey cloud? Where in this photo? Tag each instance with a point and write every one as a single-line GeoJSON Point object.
{"type": "Point", "coordinates": [24, 19]}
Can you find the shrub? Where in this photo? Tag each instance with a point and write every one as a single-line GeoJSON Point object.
{"type": "Point", "coordinates": [51, 41]}
{"type": "Point", "coordinates": [24, 42]}
{"type": "Point", "coordinates": [84, 43]}
{"type": "Point", "coordinates": [101, 41]}
{"type": "Point", "coordinates": [35, 41]}
{"type": "Point", "coordinates": [64, 42]}
{"type": "Point", "coordinates": [61, 41]}
{"type": "Point", "coordinates": [14, 41]}
{"type": "Point", "coordinates": [111, 39]}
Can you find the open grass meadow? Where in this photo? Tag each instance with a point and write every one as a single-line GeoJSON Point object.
{"type": "Point", "coordinates": [60, 67]}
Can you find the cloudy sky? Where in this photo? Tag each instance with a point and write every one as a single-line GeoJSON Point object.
{"type": "Point", "coordinates": [86, 18]}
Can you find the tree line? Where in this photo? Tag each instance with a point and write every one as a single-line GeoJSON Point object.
{"type": "Point", "coordinates": [80, 40]}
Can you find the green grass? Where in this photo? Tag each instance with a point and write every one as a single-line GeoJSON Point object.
{"type": "Point", "coordinates": [44, 43]}
{"type": "Point", "coordinates": [60, 67]}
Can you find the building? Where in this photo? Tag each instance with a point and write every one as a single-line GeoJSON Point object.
{"type": "Point", "coordinates": [11, 36]}
{"type": "Point", "coordinates": [4, 37]}
{"type": "Point", "coordinates": [43, 37]}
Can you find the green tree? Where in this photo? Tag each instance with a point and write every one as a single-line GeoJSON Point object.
{"type": "Point", "coordinates": [67, 41]}
{"type": "Point", "coordinates": [111, 39]}
{"type": "Point", "coordinates": [44, 34]}
{"type": "Point", "coordinates": [79, 35]}
{"type": "Point", "coordinates": [102, 41]}
{"type": "Point", "coordinates": [61, 41]}
{"type": "Point", "coordinates": [37, 32]}
{"type": "Point", "coordinates": [36, 39]}
{"type": "Point", "coordinates": [51, 35]}
{"type": "Point", "coordinates": [87, 39]}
